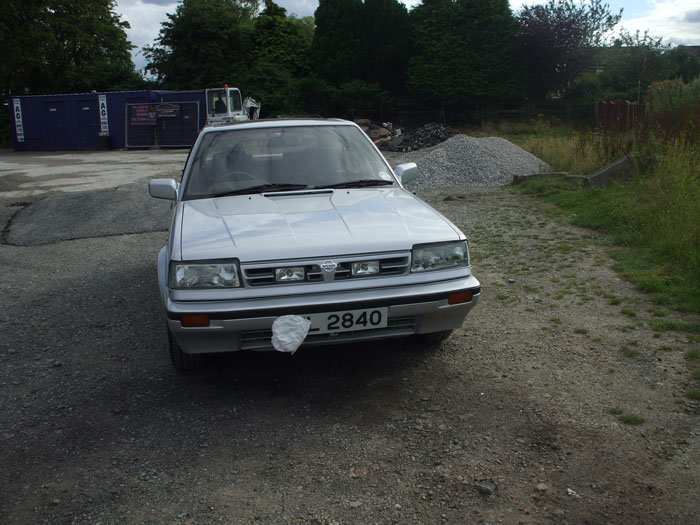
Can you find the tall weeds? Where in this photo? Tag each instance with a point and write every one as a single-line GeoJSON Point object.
{"type": "Point", "coordinates": [656, 217]}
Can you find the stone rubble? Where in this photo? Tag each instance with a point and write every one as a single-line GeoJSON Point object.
{"type": "Point", "coordinates": [446, 159]}
{"type": "Point", "coordinates": [467, 161]}
{"type": "Point", "coordinates": [424, 137]}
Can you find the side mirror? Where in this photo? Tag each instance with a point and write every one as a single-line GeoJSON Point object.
{"type": "Point", "coordinates": [163, 189]}
{"type": "Point", "coordinates": [406, 172]}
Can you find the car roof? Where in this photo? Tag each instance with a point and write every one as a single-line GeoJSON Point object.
{"type": "Point", "coordinates": [282, 123]}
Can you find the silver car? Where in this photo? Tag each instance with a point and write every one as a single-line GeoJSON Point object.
{"type": "Point", "coordinates": [303, 219]}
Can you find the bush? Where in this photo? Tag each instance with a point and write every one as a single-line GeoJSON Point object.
{"type": "Point", "coordinates": [584, 94]}
{"type": "Point", "coordinates": [673, 109]}
{"type": "Point", "coordinates": [359, 99]}
{"type": "Point", "coordinates": [355, 99]}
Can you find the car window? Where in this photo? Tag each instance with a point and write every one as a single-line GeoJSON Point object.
{"type": "Point", "coordinates": [235, 96]}
{"type": "Point", "coordinates": [235, 159]}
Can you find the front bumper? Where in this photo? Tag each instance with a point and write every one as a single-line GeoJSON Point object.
{"type": "Point", "coordinates": [247, 324]}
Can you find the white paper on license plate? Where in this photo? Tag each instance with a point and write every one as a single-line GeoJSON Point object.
{"type": "Point", "coordinates": [347, 321]}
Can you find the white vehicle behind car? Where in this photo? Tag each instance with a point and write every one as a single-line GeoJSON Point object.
{"type": "Point", "coordinates": [303, 219]}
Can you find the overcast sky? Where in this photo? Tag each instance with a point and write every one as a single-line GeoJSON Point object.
{"type": "Point", "coordinates": [677, 21]}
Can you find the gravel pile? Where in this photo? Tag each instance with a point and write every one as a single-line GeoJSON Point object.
{"type": "Point", "coordinates": [469, 161]}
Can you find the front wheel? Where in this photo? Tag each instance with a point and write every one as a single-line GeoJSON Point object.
{"type": "Point", "coordinates": [182, 361]}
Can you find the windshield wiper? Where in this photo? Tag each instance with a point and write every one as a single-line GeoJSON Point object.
{"type": "Point", "coordinates": [262, 188]}
{"type": "Point", "coordinates": [360, 183]}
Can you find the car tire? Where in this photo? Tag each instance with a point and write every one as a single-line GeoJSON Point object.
{"type": "Point", "coordinates": [435, 337]}
{"type": "Point", "coordinates": [182, 361]}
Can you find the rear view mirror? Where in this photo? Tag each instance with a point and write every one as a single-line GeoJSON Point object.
{"type": "Point", "coordinates": [406, 172]}
{"type": "Point", "coordinates": [163, 189]}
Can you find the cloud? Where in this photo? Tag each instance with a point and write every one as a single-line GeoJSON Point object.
{"type": "Point", "coordinates": [674, 20]}
{"type": "Point", "coordinates": [145, 18]}
{"type": "Point", "coordinates": [692, 17]}
{"type": "Point", "coordinates": [300, 8]}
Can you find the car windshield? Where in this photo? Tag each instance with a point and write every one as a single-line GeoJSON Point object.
{"type": "Point", "coordinates": [254, 160]}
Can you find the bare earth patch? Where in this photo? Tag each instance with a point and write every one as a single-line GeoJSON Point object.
{"type": "Point", "coordinates": [517, 418]}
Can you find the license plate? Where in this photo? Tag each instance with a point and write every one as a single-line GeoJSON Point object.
{"type": "Point", "coordinates": [347, 321]}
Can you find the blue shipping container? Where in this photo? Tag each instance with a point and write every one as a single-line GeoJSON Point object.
{"type": "Point", "coordinates": [83, 121]}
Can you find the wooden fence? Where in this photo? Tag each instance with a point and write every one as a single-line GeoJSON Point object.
{"type": "Point", "coordinates": [618, 115]}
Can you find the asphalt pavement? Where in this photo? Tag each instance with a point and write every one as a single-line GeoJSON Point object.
{"type": "Point", "coordinates": [52, 197]}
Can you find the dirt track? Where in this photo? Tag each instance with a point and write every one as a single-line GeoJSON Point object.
{"type": "Point", "coordinates": [512, 419]}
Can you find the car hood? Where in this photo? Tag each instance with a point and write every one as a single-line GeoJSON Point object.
{"type": "Point", "coordinates": [307, 225]}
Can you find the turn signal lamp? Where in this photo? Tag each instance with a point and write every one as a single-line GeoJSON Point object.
{"type": "Point", "coordinates": [460, 297]}
{"type": "Point", "coordinates": [194, 320]}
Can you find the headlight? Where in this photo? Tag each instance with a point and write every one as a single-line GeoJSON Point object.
{"type": "Point", "coordinates": [289, 274]}
{"type": "Point", "coordinates": [428, 257]}
{"type": "Point", "coordinates": [365, 268]}
{"type": "Point", "coordinates": [204, 275]}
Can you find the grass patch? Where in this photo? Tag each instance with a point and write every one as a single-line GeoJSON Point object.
{"type": "Point", "coordinates": [628, 312]}
{"type": "Point", "coordinates": [652, 223]}
{"type": "Point", "coordinates": [631, 419]}
{"type": "Point", "coordinates": [693, 394]}
{"type": "Point", "coordinates": [657, 312]}
{"type": "Point", "coordinates": [615, 411]}
{"type": "Point", "coordinates": [630, 352]}
{"type": "Point", "coordinates": [565, 151]}
{"type": "Point", "coordinates": [663, 325]}
{"type": "Point", "coordinates": [582, 331]}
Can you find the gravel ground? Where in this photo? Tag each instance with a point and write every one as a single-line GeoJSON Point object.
{"type": "Point", "coordinates": [513, 419]}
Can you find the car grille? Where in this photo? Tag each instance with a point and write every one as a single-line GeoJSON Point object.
{"type": "Point", "coordinates": [264, 275]}
{"type": "Point", "coordinates": [258, 339]}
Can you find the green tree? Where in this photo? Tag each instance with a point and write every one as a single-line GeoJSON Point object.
{"type": "Point", "coordinates": [555, 41]}
{"type": "Point", "coordinates": [204, 43]}
{"type": "Point", "coordinates": [335, 51]}
{"type": "Point", "coordinates": [632, 63]}
{"type": "Point", "coordinates": [54, 46]}
{"type": "Point", "coordinates": [682, 64]}
{"type": "Point", "coordinates": [279, 54]}
{"type": "Point", "coordinates": [386, 44]}
{"type": "Point", "coordinates": [463, 55]}
{"type": "Point", "coordinates": [307, 26]}
{"type": "Point", "coordinates": [367, 41]}
{"type": "Point", "coordinates": [280, 40]}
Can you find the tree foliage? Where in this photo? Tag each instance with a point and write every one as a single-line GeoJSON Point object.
{"type": "Point", "coordinates": [463, 52]}
{"type": "Point", "coordinates": [554, 41]}
{"type": "Point", "coordinates": [280, 40]}
{"type": "Point", "coordinates": [54, 46]}
{"type": "Point", "coordinates": [628, 69]}
{"type": "Point", "coordinates": [632, 63]}
{"type": "Point", "coordinates": [337, 40]}
{"type": "Point", "coordinates": [278, 54]}
{"type": "Point", "coordinates": [202, 44]}
{"type": "Point", "coordinates": [386, 44]}
{"type": "Point", "coordinates": [367, 41]}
